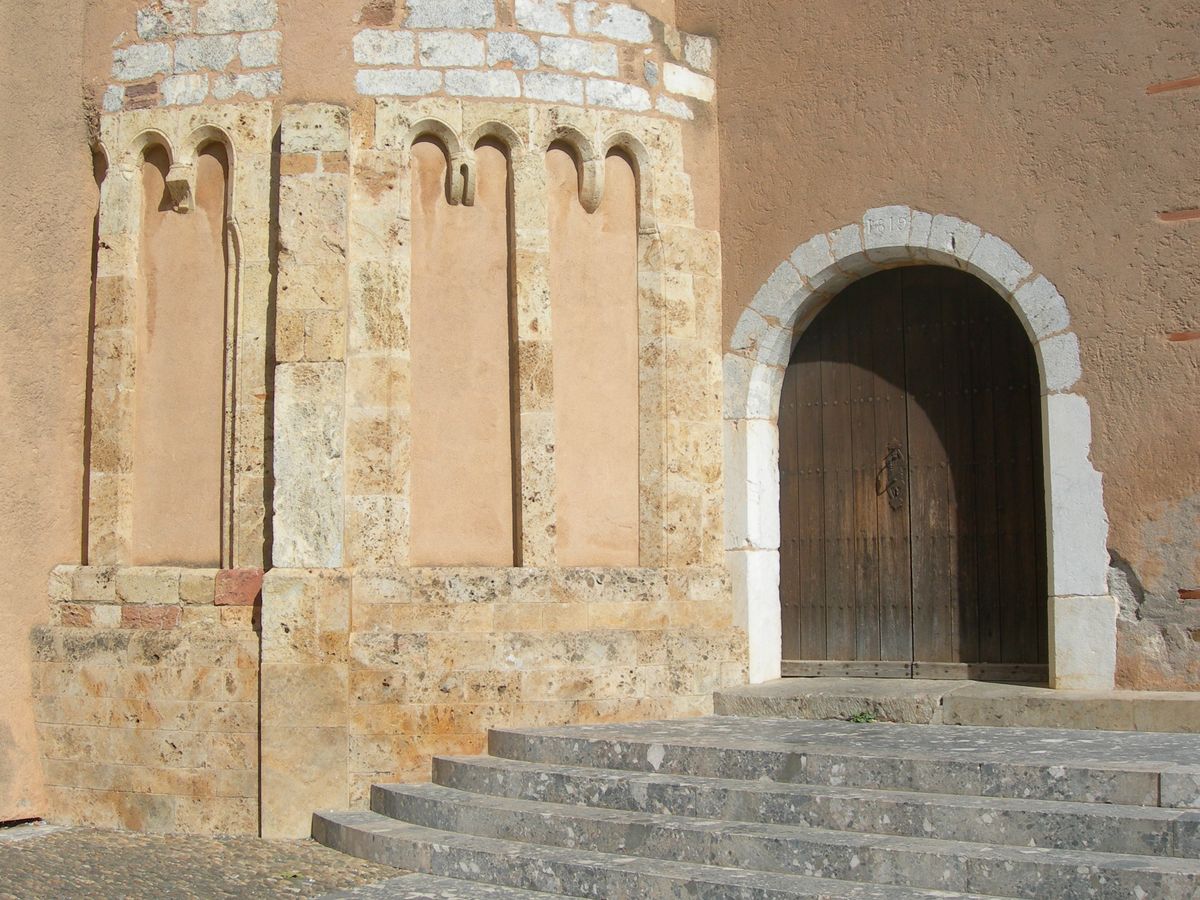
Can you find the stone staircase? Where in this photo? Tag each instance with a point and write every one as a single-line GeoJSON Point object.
{"type": "Point", "coordinates": [759, 809]}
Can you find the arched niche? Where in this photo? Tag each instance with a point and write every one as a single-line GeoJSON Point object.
{"type": "Point", "coordinates": [462, 475]}
{"type": "Point", "coordinates": [594, 311]}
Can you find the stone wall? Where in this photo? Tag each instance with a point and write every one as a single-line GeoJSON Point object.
{"type": "Point", "coordinates": [146, 687]}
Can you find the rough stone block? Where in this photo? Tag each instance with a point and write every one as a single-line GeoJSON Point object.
{"type": "Point", "coordinates": [509, 48]}
{"type": "Point", "coordinates": [698, 52]}
{"type": "Point", "coordinates": [451, 48]}
{"type": "Point", "coordinates": [676, 108]}
{"type": "Point", "coordinates": [238, 587]}
{"type": "Point", "coordinates": [1078, 524]}
{"type": "Point", "coordinates": [886, 233]}
{"type": "Point", "coordinates": [472, 83]}
{"type": "Point", "coordinates": [779, 298]}
{"type": "Point", "coordinates": [258, 85]}
{"type": "Point", "coordinates": [999, 263]}
{"type": "Point", "coordinates": [197, 586]}
{"type": "Point", "coordinates": [260, 50]}
{"type": "Point", "coordinates": [951, 237]}
{"type": "Point", "coordinates": [751, 485]}
{"type": "Point", "coordinates": [165, 18]}
{"type": "Point", "coordinates": [679, 80]}
{"type": "Point", "coordinates": [94, 584]}
{"type": "Point", "coordinates": [141, 61]}
{"type": "Point", "coordinates": [573, 55]}
{"type": "Point", "coordinates": [554, 88]}
{"type": "Point", "coordinates": [398, 82]}
{"type": "Point", "coordinates": [613, 20]}
{"type": "Point", "coordinates": [378, 47]}
{"type": "Point", "coordinates": [199, 53]}
{"type": "Point", "coordinates": [148, 584]}
{"type": "Point", "coordinates": [114, 98]}
{"type": "Point", "coordinates": [451, 14]}
{"type": "Point", "coordinates": [184, 90]}
{"type": "Point", "coordinates": [222, 16]}
{"type": "Point", "coordinates": [617, 95]}
{"type": "Point", "coordinates": [547, 16]}
{"type": "Point", "coordinates": [303, 769]}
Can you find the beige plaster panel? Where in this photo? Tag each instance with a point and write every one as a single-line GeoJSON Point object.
{"type": "Point", "coordinates": [46, 220]}
{"type": "Point", "coordinates": [179, 393]}
{"type": "Point", "coordinates": [594, 308]}
{"type": "Point", "coordinates": [1032, 121]}
{"type": "Point", "coordinates": [462, 483]}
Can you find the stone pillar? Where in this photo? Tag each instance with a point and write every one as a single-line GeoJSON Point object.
{"type": "Point", "coordinates": [306, 602]}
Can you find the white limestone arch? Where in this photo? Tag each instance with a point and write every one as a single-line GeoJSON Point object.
{"type": "Point", "coordinates": [1082, 615]}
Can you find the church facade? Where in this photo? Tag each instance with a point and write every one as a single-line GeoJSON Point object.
{"type": "Point", "coordinates": [440, 365]}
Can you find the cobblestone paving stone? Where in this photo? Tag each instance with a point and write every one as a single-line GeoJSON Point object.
{"type": "Point", "coordinates": [38, 861]}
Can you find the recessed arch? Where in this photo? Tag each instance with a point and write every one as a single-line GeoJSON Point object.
{"type": "Point", "coordinates": [1082, 615]}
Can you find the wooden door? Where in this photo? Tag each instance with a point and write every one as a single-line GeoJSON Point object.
{"type": "Point", "coordinates": [910, 476]}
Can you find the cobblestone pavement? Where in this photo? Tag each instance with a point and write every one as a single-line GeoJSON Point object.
{"type": "Point", "coordinates": [41, 861]}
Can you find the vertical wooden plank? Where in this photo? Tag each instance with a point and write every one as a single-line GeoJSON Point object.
{"type": "Point", "coordinates": [891, 431]}
{"type": "Point", "coordinates": [957, 309]}
{"type": "Point", "coordinates": [839, 484]}
{"type": "Point", "coordinates": [864, 463]}
{"type": "Point", "coordinates": [805, 372]}
{"type": "Point", "coordinates": [790, 515]}
{"type": "Point", "coordinates": [983, 363]}
{"type": "Point", "coordinates": [933, 601]}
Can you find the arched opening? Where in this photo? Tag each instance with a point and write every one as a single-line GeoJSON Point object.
{"type": "Point", "coordinates": [179, 398]}
{"type": "Point", "coordinates": [912, 507]}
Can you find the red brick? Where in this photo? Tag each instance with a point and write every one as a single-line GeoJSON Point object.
{"type": "Point", "coordinates": [1189, 593]}
{"type": "Point", "coordinates": [238, 587]}
{"type": "Point", "coordinates": [150, 616]}
{"type": "Point", "coordinates": [1163, 87]}
{"type": "Point", "coordinates": [72, 615]}
{"type": "Point", "coordinates": [1181, 336]}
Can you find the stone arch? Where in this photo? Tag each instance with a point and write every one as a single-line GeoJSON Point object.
{"type": "Point", "coordinates": [1082, 624]}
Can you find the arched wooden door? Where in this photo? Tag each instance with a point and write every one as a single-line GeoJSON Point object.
{"type": "Point", "coordinates": [911, 509]}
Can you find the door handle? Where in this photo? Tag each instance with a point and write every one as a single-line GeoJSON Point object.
{"type": "Point", "coordinates": [890, 478]}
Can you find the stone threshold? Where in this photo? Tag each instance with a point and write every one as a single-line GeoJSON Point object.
{"type": "Point", "coordinates": [936, 702]}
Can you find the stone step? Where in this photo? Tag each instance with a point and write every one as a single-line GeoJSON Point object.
{"type": "Point", "coordinates": [419, 886]}
{"type": "Point", "coordinates": [1061, 825]}
{"type": "Point", "coordinates": [577, 873]}
{"type": "Point", "coordinates": [823, 853]}
{"type": "Point", "coordinates": [1126, 768]}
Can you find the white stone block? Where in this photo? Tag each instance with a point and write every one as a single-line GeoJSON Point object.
{"type": "Point", "coordinates": [999, 264]}
{"type": "Point", "coordinates": [518, 50]}
{"type": "Point", "coordinates": [751, 485]}
{"type": "Point", "coordinates": [114, 98]}
{"type": "Point", "coordinates": [451, 14]}
{"type": "Point", "coordinates": [547, 16]}
{"type": "Point", "coordinates": [952, 238]}
{"type": "Point", "coordinates": [617, 95]}
{"type": "Point", "coordinates": [679, 80]}
{"type": "Point", "coordinates": [847, 246]}
{"type": "Point", "coordinates": [258, 85]}
{"type": "Point", "coordinates": [676, 108]}
{"type": "Point", "coordinates": [260, 50]}
{"type": "Point", "coordinates": [918, 235]}
{"type": "Point", "coordinates": [616, 21]}
{"type": "Point", "coordinates": [572, 55]}
{"type": "Point", "coordinates": [1061, 365]}
{"type": "Point", "coordinates": [698, 52]}
{"type": "Point", "coordinates": [755, 578]}
{"type": "Point", "coordinates": [377, 47]}
{"type": "Point", "coordinates": [308, 127]}
{"type": "Point", "coordinates": [221, 16]}
{"type": "Point", "coordinates": [780, 296]}
{"type": "Point", "coordinates": [1083, 643]}
{"type": "Point", "coordinates": [1044, 308]}
{"type": "Point", "coordinates": [213, 53]}
{"type": "Point", "coordinates": [751, 388]}
{"type": "Point", "coordinates": [184, 90]}
{"type": "Point", "coordinates": [398, 82]}
{"type": "Point", "coordinates": [450, 48]}
{"type": "Point", "coordinates": [1078, 523]}
{"type": "Point", "coordinates": [886, 234]}
{"type": "Point", "coordinates": [309, 447]}
{"type": "Point", "coordinates": [473, 83]}
{"type": "Point", "coordinates": [141, 61]}
{"type": "Point", "coordinates": [814, 261]}
{"type": "Point", "coordinates": [751, 328]}
{"type": "Point", "coordinates": [554, 88]}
